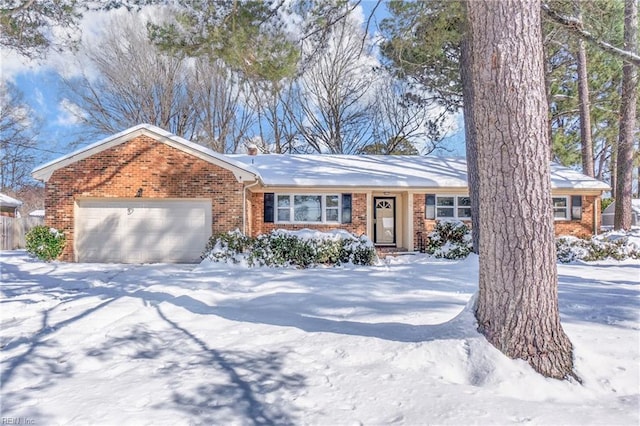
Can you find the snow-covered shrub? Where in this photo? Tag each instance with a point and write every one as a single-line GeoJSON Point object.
{"type": "Point", "coordinates": [450, 239]}
{"type": "Point", "coordinates": [612, 245]}
{"type": "Point", "coordinates": [227, 246]}
{"type": "Point", "coordinates": [302, 249]}
{"type": "Point", "coordinates": [45, 243]}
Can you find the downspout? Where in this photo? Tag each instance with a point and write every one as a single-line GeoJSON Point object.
{"type": "Point", "coordinates": [596, 207]}
{"type": "Point", "coordinates": [244, 205]}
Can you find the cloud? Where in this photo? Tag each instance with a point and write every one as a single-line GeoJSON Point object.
{"type": "Point", "coordinates": [38, 97]}
{"type": "Point", "coordinates": [69, 114]}
{"type": "Point", "coordinates": [91, 30]}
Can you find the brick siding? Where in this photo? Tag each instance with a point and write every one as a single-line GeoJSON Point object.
{"type": "Point", "coordinates": [159, 169]}
{"type": "Point", "coordinates": [579, 228]}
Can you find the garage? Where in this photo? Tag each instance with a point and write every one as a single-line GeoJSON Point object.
{"type": "Point", "coordinates": [141, 230]}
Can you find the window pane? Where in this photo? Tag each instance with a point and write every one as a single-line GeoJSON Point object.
{"type": "Point", "coordinates": [464, 201]}
{"type": "Point", "coordinates": [307, 208]}
{"type": "Point", "coordinates": [284, 201]}
{"type": "Point", "coordinates": [332, 200]}
{"type": "Point", "coordinates": [332, 215]}
{"type": "Point", "coordinates": [284, 215]}
{"type": "Point", "coordinates": [445, 201]}
{"type": "Point", "coordinates": [444, 212]}
{"type": "Point", "coordinates": [560, 208]}
{"type": "Point", "coordinates": [560, 213]}
{"type": "Point", "coordinates": [559, 202]}
{"type": "Point", "coordinates": [464, 212]}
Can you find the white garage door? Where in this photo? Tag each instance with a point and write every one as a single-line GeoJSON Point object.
{"type": "Point", "coordinates": [141, 231]}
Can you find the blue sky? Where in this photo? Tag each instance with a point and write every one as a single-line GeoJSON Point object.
{"type": "Point", "coordinates": [43, 90]}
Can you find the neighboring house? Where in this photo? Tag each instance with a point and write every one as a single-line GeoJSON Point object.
{"type": "Point", "coordinates": [37, 213]}
{"type": "Point", "coordinates": [145, 195]}
{"type": "Point", "coordinates": [609, 213]}
{"type": "Point", "coordinates": [9, 206]}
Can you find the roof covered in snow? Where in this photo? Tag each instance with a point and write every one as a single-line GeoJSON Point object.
{"type": "Point", "coordinates": [635, 206]}
{"type": "Point", "coordinates": [384, 171]}
{"type": "Point", "coordinates": [7, 201]}
{"type": "Point", "coordinates": [273, 170]}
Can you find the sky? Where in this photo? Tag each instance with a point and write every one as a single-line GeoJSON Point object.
{"type": "Point", "coordinates": [43, 89]}
{"type": "Point", "coordinates": [390, 344]}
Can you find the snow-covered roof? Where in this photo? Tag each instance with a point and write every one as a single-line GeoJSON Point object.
{"type": "Point", "coordinates": [240, 170]}
{"type": "Point", "coordinates": [37, 213]}
{"type": "Point", "coordinates": [565, 177]}
{"type": "Point", "coordinates": [7, 201]}
{"type": "Point", "coordinates": [273, 170]}
{"type": "Point", "coordinates": [635, 207]}
{"type": "Point", "coordinates": [384, 171]}
{"type": "Point", "coordinates": [408, 171]}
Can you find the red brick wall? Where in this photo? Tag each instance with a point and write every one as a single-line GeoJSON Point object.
{"type": "Point", "coordinates": [159, 169]}
{"type": "Point", "coordinates": [8, 212]}
{"type": "Point", "coordinates": [583, 227]}
{"type": "Point", "coordinates": [579, 228]}
{"type": "Point", "coordinates": [358, 225]}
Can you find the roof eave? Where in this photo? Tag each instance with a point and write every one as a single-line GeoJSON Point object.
{"type": "Point", "coordinates": [241, 172]}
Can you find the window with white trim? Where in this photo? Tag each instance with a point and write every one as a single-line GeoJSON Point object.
{"type": "Point", "coordinates": [561, 208]}
{"type": "Point", "coordinates": [308, 208]}
{"type": "Point", "coordinates": [453, 207]}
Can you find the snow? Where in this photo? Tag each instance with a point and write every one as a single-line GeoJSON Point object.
{"type": "Point", "coordinates": [321, 171]}
{"type": "Point", "coordinates": [5, 200]}
{"type": "Point", "coordinates": [387, 171]}
{"type": "Point", "coordinates": [221, 344]}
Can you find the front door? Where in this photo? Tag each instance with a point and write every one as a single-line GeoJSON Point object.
{"type": "Point", "coordinates": [384, 220]}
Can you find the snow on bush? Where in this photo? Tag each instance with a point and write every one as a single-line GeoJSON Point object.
{"type": "Point", "coordinates": [450, 239]}
{"type": "Point", "coordinates": [616, 245]}
{"type": "Point", "coordinates": [45, 243]}
{"type": "Point", "coordinates": [304, 248]}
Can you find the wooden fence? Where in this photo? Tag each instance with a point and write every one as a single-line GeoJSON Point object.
{"type": "Point", "coordinates": [13, 230]}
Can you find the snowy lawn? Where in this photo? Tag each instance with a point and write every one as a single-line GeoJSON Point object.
{"type": "Point", "coordinates": [219, 344]}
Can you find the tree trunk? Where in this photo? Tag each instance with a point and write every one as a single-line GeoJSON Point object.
{"type": "Point", "coordinates": [584, 104]}
{"type": "Point", "coordinates": [629, 99]}
{"type": "Point", "coordinates": [517, 307]}
{"type": "Point", "coordinates": [470, 137]}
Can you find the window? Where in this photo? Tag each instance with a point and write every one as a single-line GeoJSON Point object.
{"type": "Point", "coordinates": [308, 208]}
{"type": "Point", "coordinates": [464, 207]}
{"type": "Point", "coordinates": [560, 208]}
{"type": "Point", "coordinates": [453, 207]}
{"type": "Point", "coordinates": [284, 208]}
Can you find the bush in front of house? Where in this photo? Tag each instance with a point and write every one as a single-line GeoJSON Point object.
{"type": "Point", "coordinates": [227, 247]}
{"type": "Point", "coordinates": [450, 239]}
{"type": "Point", "coordinates": [301, 249]}
{"type": "Point", "coordinates": [612, 245]}
{"type": "Point", "coordinates": [45, 243]}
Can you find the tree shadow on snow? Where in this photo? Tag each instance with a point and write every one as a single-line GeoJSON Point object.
{"type": "Point", "coordinates": [257, 311]}
{"type": "Point", "coordinates": [208, 385]}
{"type": "Point", "coordinates": [610, 302]}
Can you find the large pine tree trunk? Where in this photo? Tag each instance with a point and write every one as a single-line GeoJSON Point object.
{"type": "Point", "coordinates": [629, 98]}
{"type": "Point", "coordinates": [517, 307]}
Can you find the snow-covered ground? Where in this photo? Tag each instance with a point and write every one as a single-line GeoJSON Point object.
{"type": "Point", "coordinates": [220, 344]}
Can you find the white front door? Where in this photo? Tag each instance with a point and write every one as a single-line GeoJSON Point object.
{"type": "Point", "coordinates": [385, 220]}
